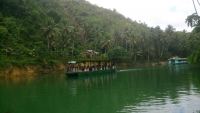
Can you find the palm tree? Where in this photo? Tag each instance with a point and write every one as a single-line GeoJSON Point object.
{"type": "Point", "coordinates": [107, 43]}
{"type": "Point", "coordinates": [116, 36]}
{"type": "Point", "coordinates": [50, 31]}
{"type": "Point", "coordinates": [84, 36]}
{"type": "Point", "coordinates": [75, 34]}
{"type": "Point", "coordinates": [158, 37]}
{"type": "Point", "coordinates": [126, 35]}
{"type": "Point", "coordinates": [66, 32]}
{"type": "Point", "coordinates": [191, 20]}
{"type": "Point", "coordinates": [98, 33]}
{"type": "Point", "coordinates": [85, 30]}
{"type": "Point", "coordinates": [169, 32]}
{"type": "Point", "coordinates": [71, 33]}
{"type": "Point", "coordinates": [132, 43]}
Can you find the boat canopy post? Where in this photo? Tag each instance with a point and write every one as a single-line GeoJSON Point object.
{"type": "Point", "coordinates": [99, 63]}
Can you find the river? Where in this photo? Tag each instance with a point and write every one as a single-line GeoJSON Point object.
{"type": "Point", "coordinates": [162, 89]}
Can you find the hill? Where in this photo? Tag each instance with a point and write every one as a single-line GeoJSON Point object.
{"type": "Point", "coordinates": [45, 31]}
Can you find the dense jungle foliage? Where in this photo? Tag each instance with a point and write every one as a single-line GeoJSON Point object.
{"type": "Point", "coordinates": [44, 31]}
{"type": "Point", "coordinates": [193, 21]}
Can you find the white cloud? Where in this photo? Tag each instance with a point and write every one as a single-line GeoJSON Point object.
{"type": "Point", "coordinates": [153, 12]}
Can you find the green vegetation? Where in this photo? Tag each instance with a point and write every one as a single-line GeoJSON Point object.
{"type": "Point", "coordinates": [194, 21]}
{"type": "Point", "coordinates": [118, 53]}
{"type": "Point", "coordinates": [42, 31]}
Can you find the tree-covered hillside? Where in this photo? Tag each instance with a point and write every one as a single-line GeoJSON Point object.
{"type": "Point", "coordinates": [41, 31]}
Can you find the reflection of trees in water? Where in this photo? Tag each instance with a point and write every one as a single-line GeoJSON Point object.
{"type": "Point", "coordinates": [157, 86]}
{"type": "Point", "coordinates": [195, 78]}
{"type": "Point", "coordinates": [137, 90]}
{"type": "Point", "coordinates": [74, 90]}
{"type": "Point", "coordinates": [196, 82]}
{"type": "Point", "coordinates": [91, 82]}
{"type": "Point", "coordinates": [31, 79]}
{"type": "Point", "coordinates": [178, 69]}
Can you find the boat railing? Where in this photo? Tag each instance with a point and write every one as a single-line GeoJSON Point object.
{"type": "Point", "coordinates": [86, 69]}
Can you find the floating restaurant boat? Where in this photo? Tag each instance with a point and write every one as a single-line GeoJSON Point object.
{"type": "Point", "coordinates": [89, 67]}
{"type": "Point", "coordinates": [177, 60]}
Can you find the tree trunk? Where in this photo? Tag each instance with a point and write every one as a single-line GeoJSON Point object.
{"type": "Point", "coordinates": [126, 44]}
{"type": "Point", "coordinates": [95, 44]}
{"type": "Point", "coordinates": [195, 8]}
{"type": "Point", "coordinates": [73, 49]}
{"type": "Point", "coordinates": [48, 43]}
{"type": "Point", "coordinates": [198, 2]}
{"type": "Point", "coordinates": [135, 58]}
{"type": "Point", "coordinates": [85, 44]}
{"type": "Point", "coordinates": [161, 53]}
{"type": "Point", "coordinates": [148, 56]}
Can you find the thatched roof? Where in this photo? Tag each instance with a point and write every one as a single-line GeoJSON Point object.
{"type": "Point", "coordinates": [174, 57]}
{"type": "Point", "coordinates": [90, 52]}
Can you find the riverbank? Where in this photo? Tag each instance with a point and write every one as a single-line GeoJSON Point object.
{"type": "Point", "coordinates": [31, 70]}
{"type": "Point", "coordinates": [139, 64]}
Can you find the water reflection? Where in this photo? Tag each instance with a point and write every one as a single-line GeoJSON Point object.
{"type": "Point", "coordinates": [157, 92]}
{"type": "Point", "coordinates": [178, 69]}
{"type": "Point", "coordinates": [90, 82]}
{"type": "Point", "coordinates": [146, 89]}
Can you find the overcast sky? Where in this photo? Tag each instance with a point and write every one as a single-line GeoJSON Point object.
{"type": "Point", "coordinates": [153, 12]}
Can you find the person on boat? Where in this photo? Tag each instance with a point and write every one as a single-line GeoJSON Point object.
{"type": "Point", "coordinates": [82, 68]}
{"type": "Point", "coordinates": [95, 67]}
{"type": "Point", "coordinates": [73, 68]}
{"type": "Point", "coordinates": [90, 68]}
{"type": "Point", "coordinates": [67, 69]}
{"type": "Point", "coordinates": [100, 68]}
{"type": "Point", "coordinates": [87, 68]}
{"type": "Point", "coordinates": [104, 67]}
{"type": "Point", "coordinates": [76, 68]}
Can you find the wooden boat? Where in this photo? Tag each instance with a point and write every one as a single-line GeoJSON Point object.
{"type": "Point", "coordinates": [93, 67]}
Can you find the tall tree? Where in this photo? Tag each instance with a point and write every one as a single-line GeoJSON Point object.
{"type": "Point", "coordinates": [169, 32]}
{"type": "Point", "coordinates": [66, 33]}
{"type": "Point", "coordinates": [98, 33]}
{"type": "Point", "coordinates": [107, 43]}
{"type": "Point", "coordinates": [126, 35]}
{"type": "Point", "coordinates": [50, 31]}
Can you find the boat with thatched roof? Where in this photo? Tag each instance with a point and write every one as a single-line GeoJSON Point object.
{"type": "Point", "coordinates": [89, 67]}
{"type": "Point", "coordinates": [177, 60]}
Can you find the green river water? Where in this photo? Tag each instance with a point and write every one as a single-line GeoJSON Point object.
{"type": "Point", "coordinates": [164, 89]}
